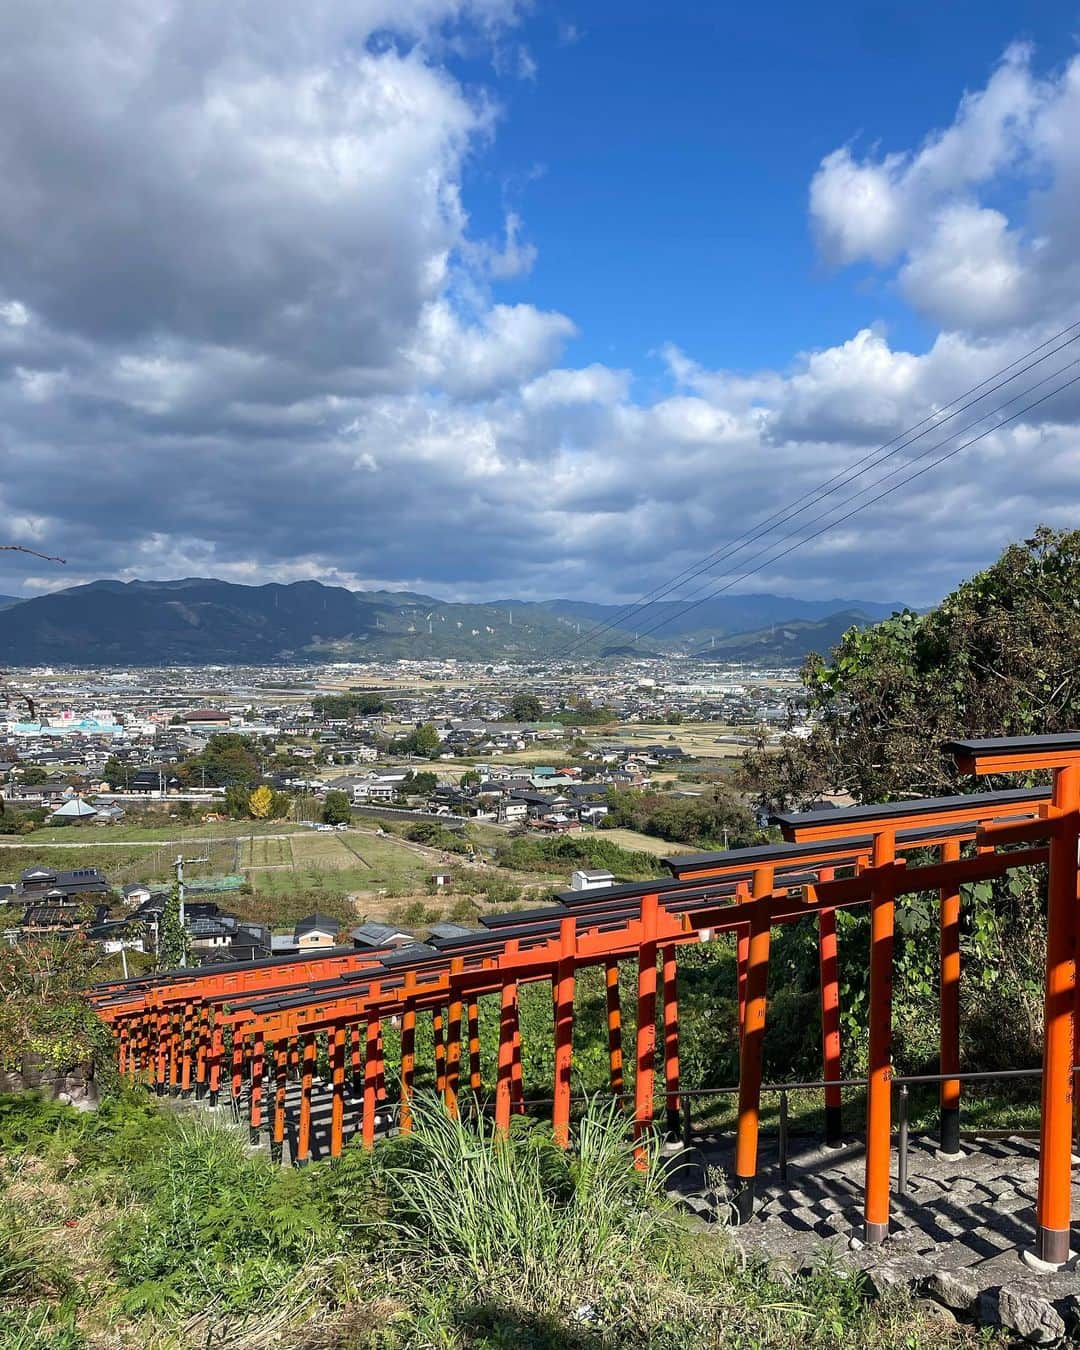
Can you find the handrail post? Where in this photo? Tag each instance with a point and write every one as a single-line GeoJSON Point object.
{"type": "Point", "coordinates": [902, 1161]}
{"type": "Point", "coordinates": [783, 1137]}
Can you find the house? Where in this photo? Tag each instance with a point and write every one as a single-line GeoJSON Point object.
{"type": "Point", "coordinates": [316, 930]}
{"type": "Point", "coordinates": [117, 935]}
{"type": "Point", "coordinates": [60, 914]}
{"type": "Point", "coordinates": [39, 882]}
{"type": "Point", "coordinates": [136, 894]}
{"type": "Point", "coordinates": [217, 935]}
{"type": "Point", "coordinates": [247, 942]}
{"type": "Point", "coordinates": [73, 810]}
{"type": "Point", "coordinates": [206, 719]}
{"type": "Point", "coordinates": [380, 935]}
{"type": "Point", "coordinates": [591, 879]}
{"type": "Point", "coordinates": [108, 813]}
{"type": "Point", "coordinates": [448, 930]}
{"type": "Point", "coordinates": [592, 815]}
{"type": "Point", "coordinates": [440, 879]}
{"type": "Point", "coordinates": [153, 780]}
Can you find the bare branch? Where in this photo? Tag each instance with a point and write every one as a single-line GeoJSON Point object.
{"type": "Point", "coordinates": [20, 548]}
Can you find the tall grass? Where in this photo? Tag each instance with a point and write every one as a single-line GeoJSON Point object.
{"type": "Point", "coordinates": [449, 1238]}
{"type": "Point", "coordinates": [520, 1215]}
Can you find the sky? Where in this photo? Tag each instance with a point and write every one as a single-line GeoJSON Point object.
{"type": "Point", "coordinates": [484, 299]}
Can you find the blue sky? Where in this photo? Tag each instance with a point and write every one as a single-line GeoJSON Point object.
{"type": "Point", "coordinates": [482, 299]}
{"type": "Point", "coordinates": [673, 146]}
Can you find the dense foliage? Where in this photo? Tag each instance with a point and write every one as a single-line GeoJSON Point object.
{"type": "Point", "coordinates": [997, 657]}
{"type": "Point", "coordinates": [715, 819]}
{"type": "Point", "coordinates": [422, 741]}
{"type": "Point", "coordinates": [337, 809]}
{"type": "Point", "coordinates": [228, 759]}
{"type": "Point", "coordinates": [352, 704]}
{"type": "Point", "coordinates": [43, 1011]}
{"type": "Point", "coordinates": [563, 852]}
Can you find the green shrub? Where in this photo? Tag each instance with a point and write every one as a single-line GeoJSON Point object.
{"type": "Point", "coordinates": [216, 1222]}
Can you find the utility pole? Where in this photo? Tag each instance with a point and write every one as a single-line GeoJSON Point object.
{"type": "Point", "coordinates": [179, 865]}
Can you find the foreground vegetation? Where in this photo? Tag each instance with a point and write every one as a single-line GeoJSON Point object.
{"type": "Point", "coordinates": [139, 1227]}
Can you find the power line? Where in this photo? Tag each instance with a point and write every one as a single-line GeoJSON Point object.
{"type": "Point", "coordinates": [887, 492]}
{"type": "Point", "coordinates": [929, 450]}
{"type": "Point", "coordinates": [830, 485]}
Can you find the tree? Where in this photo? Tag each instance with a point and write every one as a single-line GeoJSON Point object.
{"type": "Point", "coordinates": [996, 657]}
{"type": "Point", "coordinates": [424, 740]}
{"type": "Point", "coordinates": [173, 938]}
{"type": "Point", "coordinates": [228, 759]}
{"type": "Point", "coordinates": [423, 783]}
{"type": "Point", "coordinates": [470, 778]}
{"type": "Point", "coordinates": [336, 808]}
{"type": "Point", "coordinates": [116, 773]}
{"type": "Point", "coordinates": [717, 818]}
{"type": "Point", "coordinates": [353, 704]}
{"type": "Point", "coordinates": [33, 775]}
{"type": "Point", "coordinates": [526, 708]}
{"type": "Point", "coordinates": [260, 803]}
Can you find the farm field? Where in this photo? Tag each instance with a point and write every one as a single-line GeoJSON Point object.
{"type": "Point", "coordinates": [343, 863]}
{"type": "Point", "coordinates": [14, 860]}
{"type": "Point", "coordinates": [696, 739]}
{"type": "Point", "coordinates": [632, 841]}
{"type": "Point", "coordinates": [160, 832]}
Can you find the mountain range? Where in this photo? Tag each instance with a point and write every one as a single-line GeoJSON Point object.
{"type": "Point", "coordinates": [200, 620]}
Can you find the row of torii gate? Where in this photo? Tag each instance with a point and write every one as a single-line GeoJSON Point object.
{"type": "Point", "coordinates": [198, 1030]}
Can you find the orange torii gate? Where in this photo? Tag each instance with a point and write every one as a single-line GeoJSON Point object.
{"type": "Point", "coordinates": [745, 892]}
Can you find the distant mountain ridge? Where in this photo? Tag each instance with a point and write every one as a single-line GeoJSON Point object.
{"type": "Point", "coordinates": [200, 621]}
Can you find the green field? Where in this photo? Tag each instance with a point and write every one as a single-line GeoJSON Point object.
{"type": "Point", "coordinates": [265, 850]}
{"type": "Point", "coordinates": [151, 835]}
{"type": "Point", "coordinates": [639, 843]}
{"type": "Point", "coordinates": [346, 863]}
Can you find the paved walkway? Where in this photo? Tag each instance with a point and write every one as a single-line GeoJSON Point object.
{"type": "Point", "coordinates": [961, 1226]}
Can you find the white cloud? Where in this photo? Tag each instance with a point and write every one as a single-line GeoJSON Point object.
{"type": "Point", "coordinates": [963, 263]}
{"type": "Point", "coordinates": [270, 349]}
{"type": "Point", "coordinates": [593, 384]}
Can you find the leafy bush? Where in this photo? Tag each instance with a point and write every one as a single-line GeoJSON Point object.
{"type": "Point", "coordinates": [217, 1222]}
{"type": "Point", "coordinates": [434, 835]}
{"type": "Point", "coordinates": [43, 1009]}
{"type": "Point", "coordinates": [560, 852]}
{"type": "Point", "coordinates": [716, 819]}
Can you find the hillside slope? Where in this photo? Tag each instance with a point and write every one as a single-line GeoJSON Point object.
{"type": "Point", "coordinates": [200, 620]}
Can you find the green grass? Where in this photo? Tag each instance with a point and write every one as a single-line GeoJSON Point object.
{"type": "Point", "coordinates": [13, 861]}
{"type": "Point", "coordinates": [159, 832]}
{"type": "Point", "coordinates": [635, 842]}
{"type": "Point", "coordinates": [139, 1226]}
